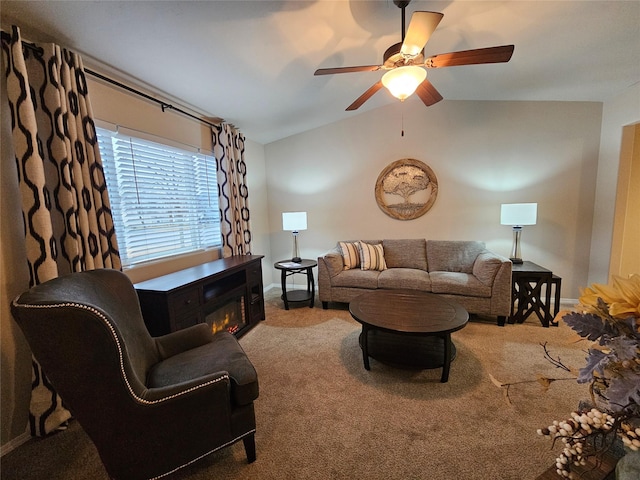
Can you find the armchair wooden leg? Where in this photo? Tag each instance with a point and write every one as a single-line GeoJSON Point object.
{"type": "Point", "coordinates": [250, 447]}
{"type": "Point", "coordinates": [501, 320]}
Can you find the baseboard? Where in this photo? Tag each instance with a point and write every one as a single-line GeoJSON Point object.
{"type": "Point", "coordinates": [569, 302]}
{"type": "Point", "coordinates": [15, 443]}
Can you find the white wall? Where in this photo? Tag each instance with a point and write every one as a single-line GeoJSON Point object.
{"type": "Point", "coordinates": [483, 154]}
{"type": "Point", "coordinates": [620, 111]}
{"type": "Point", "coordinates": [258, 207]}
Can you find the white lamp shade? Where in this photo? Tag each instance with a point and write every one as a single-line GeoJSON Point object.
{"type": "Point", "coordinates": [294, 221]}
{"type": "Point", "coordinates": [403, 81]}
{"type": "Point", "coordinates": [517, 214]}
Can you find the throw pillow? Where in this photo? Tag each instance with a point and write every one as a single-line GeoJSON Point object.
{"type": "Point", "coordinates": [350, 254]}
{"type": "Point", "coordinates": [371, 257]}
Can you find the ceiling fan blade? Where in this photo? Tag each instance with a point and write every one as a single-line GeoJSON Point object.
{"type": "Point", "coordinates": [471, 57]}
{"type": "Point", "coordinates": [428, 93]}
{"type": "Point", "coordinates": [365, 96]}
{"type": "Point", "coordinates": [420, 29]}
{"type": "Point", "coordinates": [331, 71]}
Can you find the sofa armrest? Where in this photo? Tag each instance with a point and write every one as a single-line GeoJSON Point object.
{"type": "Point", "coordinates": [329, 265]}
{"type": "Point", "coordinates": [495, 271]}
{"type": "Point", "coordinates": [334, 263]}
{"type": "Point", "coordinates": [486, 267]}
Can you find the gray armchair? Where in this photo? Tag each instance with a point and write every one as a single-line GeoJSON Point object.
{"type": "Point", "coordinates": [150, 405]}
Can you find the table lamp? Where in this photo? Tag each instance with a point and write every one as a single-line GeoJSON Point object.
{"type": "Point", "coordinates": [517, 215]}
{"type": "Point", "coordinates": [294, 222]}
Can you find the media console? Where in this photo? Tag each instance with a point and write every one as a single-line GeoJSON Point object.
{"type": "Point", "coordinates": [227, 294]}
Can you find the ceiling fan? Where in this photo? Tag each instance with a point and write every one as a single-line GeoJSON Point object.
{"type": "Point", "coordinates": [404, 61]}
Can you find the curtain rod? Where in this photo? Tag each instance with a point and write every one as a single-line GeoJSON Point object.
{"type": "Point", "coordinates": [163, 105]}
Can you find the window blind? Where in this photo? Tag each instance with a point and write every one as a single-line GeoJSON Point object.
{"type": "Point", "coordinates": [164, 200]}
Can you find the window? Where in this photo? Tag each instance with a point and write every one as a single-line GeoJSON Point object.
{"type": "Point", "coordinates": [164, 200]}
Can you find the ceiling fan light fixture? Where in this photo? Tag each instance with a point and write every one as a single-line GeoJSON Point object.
{"type": "Point", "coordinates": [403, 81]}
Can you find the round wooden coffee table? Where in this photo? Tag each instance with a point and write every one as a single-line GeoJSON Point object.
{"type": "Point", "coordinates": [408, 328]}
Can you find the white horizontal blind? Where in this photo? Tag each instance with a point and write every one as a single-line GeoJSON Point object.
{"type": "Point", "coordinates": [164, 200]}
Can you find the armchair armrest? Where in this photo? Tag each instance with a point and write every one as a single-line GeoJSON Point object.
{"type": "Point", "coordinates": [183, 340]}
{"type": "Point", "coordinates": [216, 386]}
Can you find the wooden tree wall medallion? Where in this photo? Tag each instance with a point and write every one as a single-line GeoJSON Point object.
{"type": "Point", "coordinates": [406, 189]}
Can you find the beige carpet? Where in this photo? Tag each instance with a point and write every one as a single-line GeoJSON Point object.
{"type": "Point", "coordinates": [320, 415]}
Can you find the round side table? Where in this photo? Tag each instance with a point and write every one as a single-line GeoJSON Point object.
{"type": "Point", "coordinates": [288, 268]}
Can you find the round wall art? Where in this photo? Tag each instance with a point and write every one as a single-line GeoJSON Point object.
{"type": "Point", "coordinates": [406, 189]}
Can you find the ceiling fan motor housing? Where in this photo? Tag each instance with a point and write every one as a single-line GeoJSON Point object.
{"type": "Point", "coordinates": [392, 57]}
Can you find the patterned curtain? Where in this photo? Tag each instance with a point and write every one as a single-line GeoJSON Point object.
{"type": "Point", "coordinates": [233, 194]}
{"type": "Point", "coordinates": [65, 207]}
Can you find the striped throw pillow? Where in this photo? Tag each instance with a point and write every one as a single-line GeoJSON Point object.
{"type": "Point", "coordinates": [371, 257]}
{"type": "Point", "coordinates": [350, 254]}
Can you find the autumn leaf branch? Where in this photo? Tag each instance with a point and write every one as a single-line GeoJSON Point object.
{"type": "Point", "coordinates": [545, 382]}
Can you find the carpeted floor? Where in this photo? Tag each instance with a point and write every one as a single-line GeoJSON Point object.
{"type": "Point", "coordinates": [320, 415]}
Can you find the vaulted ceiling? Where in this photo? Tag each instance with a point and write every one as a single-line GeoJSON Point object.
{"type": "Point", "coordinates": [252, 62]}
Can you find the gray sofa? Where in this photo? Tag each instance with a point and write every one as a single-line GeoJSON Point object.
{"type": "Point", "coordinates": [463, 271]}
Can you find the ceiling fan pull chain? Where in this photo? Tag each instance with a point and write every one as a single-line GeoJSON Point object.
{"type": "Point", "coordinates": [402, 127]}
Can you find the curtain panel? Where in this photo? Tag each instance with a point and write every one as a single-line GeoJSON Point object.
{"type": "Point", "coordinates": [65, 205]}
{"type": "Point", "coordinates": [233, 193]}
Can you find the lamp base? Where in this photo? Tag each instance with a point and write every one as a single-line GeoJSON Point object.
{"type": "Point", "coordinates": [296, 256]}
{"type": "Point", "coordinates": [516, 256]}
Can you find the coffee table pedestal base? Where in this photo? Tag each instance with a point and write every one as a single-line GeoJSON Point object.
{"type": "Point", "coordinates": [408, 350]}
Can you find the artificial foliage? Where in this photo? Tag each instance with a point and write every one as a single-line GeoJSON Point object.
{"type": "Point", "coordinates": [608, 317]}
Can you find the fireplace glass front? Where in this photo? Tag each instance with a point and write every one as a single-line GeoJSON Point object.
{"type": "Point", "coordinates": [229, 317]}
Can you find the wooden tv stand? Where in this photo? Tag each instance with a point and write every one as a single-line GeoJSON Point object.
{"type": "Point", "coordinates": [194, 295]}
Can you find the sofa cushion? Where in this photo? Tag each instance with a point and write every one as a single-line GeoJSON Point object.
{"type": "Point", "coordinates": [371, 257]}
{"type": "Point", "coordinates": [410, 253]}
{"type": "Point", "coordinates": [452, 256]}
{"type": "Point", "coordinates": [456, 283]}
{"type": "Point", "coordinates": [411, 278]}
{"type": "Point", "coordinates": [350, 254]}
{"type": "Point", "coordinates": [356, 279]}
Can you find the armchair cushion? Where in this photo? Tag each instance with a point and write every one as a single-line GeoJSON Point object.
{"type": "Point", "coordinates": [221, 354]}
